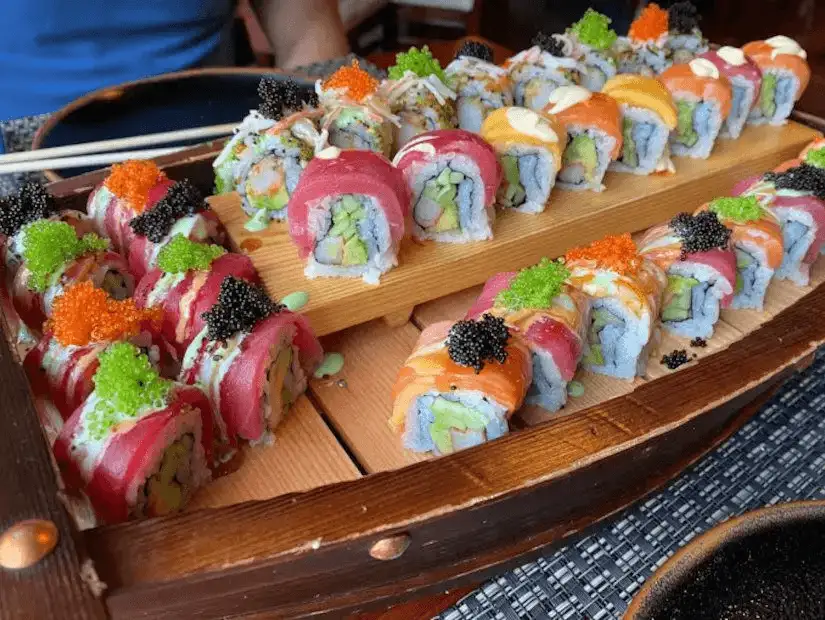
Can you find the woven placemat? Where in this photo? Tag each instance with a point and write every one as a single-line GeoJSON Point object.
{"type": "Point", "coordinates": [778, 456]}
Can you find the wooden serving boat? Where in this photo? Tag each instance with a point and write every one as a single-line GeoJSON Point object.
{"type": "Point", "coordinates": [335, 516]}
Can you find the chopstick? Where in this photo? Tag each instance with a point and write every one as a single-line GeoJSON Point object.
{"type": "Point", "coordinates": [118, 144]}
{"type": "Point", "coordinates": [81, 161]}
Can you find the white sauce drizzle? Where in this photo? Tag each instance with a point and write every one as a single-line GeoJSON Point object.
{"type": "Point", "coordinates": [785, 45]}
{"type": "Point", "coordinates": [732, 55]}
{"type": "Point", "coordinates": [531, 124]}
{"type": "Point", "coordinates": [702, 67]}
{"type": "Point", "coordinates": [566, 97]}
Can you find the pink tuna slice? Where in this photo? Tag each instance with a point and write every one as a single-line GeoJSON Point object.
{"type": "Point", "coordinates": [492, 288]}
{"type": "Point", "coordinates": [723, 261]}
{"type": "Point", "coordinates": [750, 71]}
{"type": "Point", "coordinates": [556, 338]}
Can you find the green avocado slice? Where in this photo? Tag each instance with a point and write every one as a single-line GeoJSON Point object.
{"type": "Point", "coordinates": [629, 155]}
{"type": "Point", "coordinates": [766, 95]}
{"type": "Point", "coordinates": [684, 126]}
{"type": "Point", "coordinates": [452, 415]}
{"type": "Point", "coordinates": [679, 287]}
{"type": "Point", "coordinates": [355, 252]}
{"type": "Point", "coordinates": [582, 150]}
{"type": "Point", "coordinates": [594, 356]}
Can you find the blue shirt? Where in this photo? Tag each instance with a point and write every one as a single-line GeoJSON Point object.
{"type": "Point", "coordinates": [53, 51]}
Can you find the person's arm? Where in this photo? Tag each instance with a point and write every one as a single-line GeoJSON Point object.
{"type": "Point", "coordinates": [303, 31]}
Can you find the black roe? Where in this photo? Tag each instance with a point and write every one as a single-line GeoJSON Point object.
{"type": "Point", "coordinates": [280, 98]}
{"type": "Point", "coordinates": [475, 49]}
{"type": "Point", "coordinates": [474, 343]}
{"type": "Point", "coordinates": [675, 359]}
{"type": "Point", "coordinates": [241, 305]}
{"type": "Point", "coordinates": [181, 199]}
{"type": "Point", "coordinates": [700, 233]}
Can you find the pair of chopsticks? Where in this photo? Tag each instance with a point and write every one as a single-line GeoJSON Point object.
{"type": "Point", "coordinates": [105, 152]}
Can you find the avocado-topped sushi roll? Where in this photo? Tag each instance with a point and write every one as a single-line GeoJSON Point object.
{"type": "Point", "coordinates": [625, 291]}
{"type": "Point", "coordinates": [453, 176]}
{"type": "Point", "coordinates": [480, 85]}
{"type": "Point", "coordinates": [703, 101]}
{"type": "Point", "coordinates": [347, 215]}
{"type": "Point", "coordinates": [418, 95]}
{"type": "Point", "coordinates": [140, 445]}
{"type": "Point", "coordinates": [253, 358]}
{"type": "Point", "coordinates": [529, 146]}
{"type": "Point", "coordinates": [648, 117]}
{"type": "Point", "coordinates": [356, 115]}
{"type": "Point", "coordinates": [550, 316]}
{"type": "Point", "coordinates": [594, 135]}
{"type": "Point", "coordinates": [756, 237]}
{"type": "Point", "coordinates": [538, 70]}
{"type": "Point", "coordinates": [186, 283]}
{"type": "Point", "coordinates": [785, 76]}
{"type": "Point", "coordinates": [55, 257]}
{"type": "Point", "coordinates": [265, 158]}
{"type": "Point", "coordinates": [684, 40]}
{"type": "Point", "coordinates": [643, 51]}
{"type": "Point", "coordinates": [593, 41]}
{"type": "Point", "coordinates": [746, 81]}
{"type": "Point", "coordinates": [460, 386]}
{"type": "Point", "coordinates": [695, 252]}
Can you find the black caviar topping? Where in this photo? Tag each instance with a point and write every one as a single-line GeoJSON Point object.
{"type": "Point", "coordinates": [240, 306]}
{"type": "Point", "coordinates": [280, 98]}
{"type": "Point", "coordinates": [475, 49]}
{"type": "Point", "coordinates": [33, 202]}
{"type": "Point", "coordinates": [675, 359]}
{"type": "Point", "coordinates": [181, 199]}
{"type": "Point", "coordinates": [699, 342]}
{"type": "Point", "coordinates": [683, 18]}
{"type": "Point", "coordinates": [700, 233]}
{"type": "Point", "coordinates": [803, 178]}
{"type": "Point", "coordinates": [549, 43]}
{"type": "Point", "coordinates": [473, 343]}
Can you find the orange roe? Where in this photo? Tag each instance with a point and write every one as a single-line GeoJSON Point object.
{"type": "Point", "coordinates": [357, 82]}
{"type": "Point", "coordinates": [651, 24]}
{"type": "Point", "coordinates": [132, 181]}
{"type": "Point", "coordinates": [615, 252]}
{"type": "Point", "coordinates": [85, 314]}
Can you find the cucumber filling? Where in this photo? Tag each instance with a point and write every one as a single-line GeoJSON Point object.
{"type": "Point", "coordinates": [767, 103]}
{"type": "Point", "coordinates": [344, 243]}
{"type": "Point", "coordinates": [629, 155]}
{"type": "Point", "coordinates": [450, 415]}
{"type": "Point", "coordinates": [685, 130]}
{"type": "Point", "coordinates": [580, 159]}
{"type": "Point", "coordinates": [603, 335]}
{"type": "Point", "coordinates": [512, 192]}
{"type": "Point", "coordinates": [168, 490]}
{"type": "Point", "coordinates": [437, 209]}
{"type": "Point", "coordinates": [679, 294]}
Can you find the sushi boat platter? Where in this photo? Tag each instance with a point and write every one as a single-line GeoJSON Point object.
{"type": "Point", "coordinates": [422, 329]}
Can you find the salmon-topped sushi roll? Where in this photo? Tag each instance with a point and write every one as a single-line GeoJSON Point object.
{"type": "Point", "coordinates": [785, 76]}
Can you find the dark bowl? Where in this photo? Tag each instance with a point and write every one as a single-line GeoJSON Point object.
{"type": "Point", "coordinates": [168, 102]}
{"type": "Point", "coordinates": [767, 564]}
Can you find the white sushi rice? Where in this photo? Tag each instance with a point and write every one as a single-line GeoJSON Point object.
{"type": "Point", "coordinates": [707, 121]}
{"type": "Point", "coordinates": [705, 299]}
{"type": "Point", "coordinates": [548, 389]}
{"type": "Point", "coordinates": [475, 102]}
{"type": "Point", "coordinates": [624, 346]}
{"type": "Point", "coordinates": [598, 69]}
{"type": "Point", "coordinates": [537, 175]}
{"type": "Point", "coordinates": [785, 95]}
{"type": "Point", "coordinates": [571, 177]}
{"type": "Point", "coordinates": [651, 141]}
{"type": "Point", "coordinates": [682, 48]}
{"type": "Point", "coordinates": [744, 95]}
{"type": "Point", "coordinates": [755, 278]}
{"type": "Point", "coordinates": [798, 233]}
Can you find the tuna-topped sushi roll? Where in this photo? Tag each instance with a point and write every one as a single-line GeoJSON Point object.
{"type": "Point", "coordinates": [785, 76]}
{"type": "Point", "coordinates": [480, 85]}
{"type": "Point", "coordinates": [695, 252]}
{"type": "Point", "coordinates": [795, 195]}
{"type": "Point", "coordinates": [529, 146]}
{"type": "Point", "coordinates": [186, 284]}
{"type": "Point", "coordinates": [648, 117]}
{"type": "Point", "coordinates": [684, 40]}
{"type": "Point", "coordinates": [703, 101]}
{"type": "Point", "coordinates": [625, 291]}
{"type": "Point", "coordinates": [85, 321]}
{"type": "Point", "coordinates": [264, 159]}
{"type": "Point", "coordinates": [418, 95]}
{"type": "Point", "coordinates": [550, 316]}
{"type": "Point", "coordinates": [460, 385]}
{"type": "Point", "coordinates": [140, 445]}
{"type": "Point", "coordinates": [347, 215]}
{"type": "Point", "coordinates": [538, 70]}
{"type": "Point", "coordinates": [593, 40]}
{"type": "Point", "coordinates": [253, 359]}
{"type": "Point", "coordinates": [594, 135]}
{"type": "Point", "coordinates": [756, 237]}
{"type": "Point", "coordinates": [453, 176]}
{"type": "Point", "coordinates": [746, 81]}
{"type": "Point", "coordinates": [642, 51]}
{"type": "Point", "coordinates": [356, 116]}
{"type": "Point", "coordinates": [55, 257]}
{"type": "Point", "coordinates": [814, 155]}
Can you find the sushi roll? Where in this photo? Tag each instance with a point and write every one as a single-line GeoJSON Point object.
{"type": "Point", "coordinates": [552, 319]}
{"type": "Point", "coordinates": [253, 358]}
{"type": "Point", "coordinates": [480, 85]}
{"type": "Point", "coordinates": [139, 446]}
{"type": "Point", "coordinates": [186, 283]}
{"type": "Point", "coordinates": [625, 291]}
{"type": "Point", "coordinates": [355, 115]}
{"type": "Point", "coordinates": [684, 40]}
{"type": "Point", "coordinates": [418, 95]}
{"type": "Point", "coordinates": [643, 51]}
{"type": "Point", "coordinates": [785, 76]}
{"type": "Point", "coordinates": [181, 212]}
{"type": "Point", "coordinates": [453, 176]}
{"type": "Point", "coordinates": [593, 41]}
{"type": "Point", "coordinates": [814, 155]}
{"type": "Point", "coordinates": [694, 251]}
{"type": "Point", "coordinates": [85, 321]}
{"type": "Point", "coordinates": [460, 385]}
{"type": "Point", "coordinates": [745, 80]}
{"type": "Point", "coordinates": [538, 70]}
{"type": "Point", "coordinates": [20, 336]}
{"type": "Point", "coordinates": [594, 136]}
{"type": "Point", "coordinates": [756, 237]}
{"type": "Point", "coordinates": [702, 96]}
{"type": "Point", "coordinates": [529, 146]}
{"type": "Point", "coordinates": [648, 117]}
{"type": "Point", "coordinates": [347, 215]}
{"type": "Point", "coordinates": [55, 257]}
{"type": "Point", "coordinates": [266, 156]}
